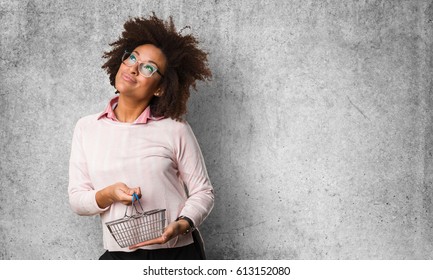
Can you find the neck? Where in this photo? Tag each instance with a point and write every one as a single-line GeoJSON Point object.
{"type": "Point", "coordinates": [128, 110]}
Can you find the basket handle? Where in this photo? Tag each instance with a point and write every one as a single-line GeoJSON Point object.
{"type": "Point", "coordinates": [133, 206]}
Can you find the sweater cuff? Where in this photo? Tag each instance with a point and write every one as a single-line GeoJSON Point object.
{"type": "Point", "coordinates": [88, 205]}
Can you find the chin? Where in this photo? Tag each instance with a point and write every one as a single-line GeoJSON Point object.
{"type": "Point", "coordinates": [120, 86]}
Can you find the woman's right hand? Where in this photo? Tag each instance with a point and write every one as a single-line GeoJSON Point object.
{"type": "Point", "coordinates": [119, 192]}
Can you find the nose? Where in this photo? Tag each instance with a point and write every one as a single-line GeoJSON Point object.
{"type": "Point", "coordinates": [134, 69]}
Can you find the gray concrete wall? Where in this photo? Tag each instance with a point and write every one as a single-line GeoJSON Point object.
{"type": "Point", "coordinates": [316, 128]}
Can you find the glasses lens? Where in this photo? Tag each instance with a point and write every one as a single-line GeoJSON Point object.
{"type": "Point", "coordinates": [129, 59]}
{"type": "Point", "coordinates": [147, 69]}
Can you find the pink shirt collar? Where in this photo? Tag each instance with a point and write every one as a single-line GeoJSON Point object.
{"type": "Point", "coordinates": [142, 119]}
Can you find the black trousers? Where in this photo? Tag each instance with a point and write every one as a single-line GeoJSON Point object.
{"type": "Point", "coordinates": [188, 252]}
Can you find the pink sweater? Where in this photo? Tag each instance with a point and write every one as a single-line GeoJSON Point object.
{"type": "Point", "coordinates": [162, 157]}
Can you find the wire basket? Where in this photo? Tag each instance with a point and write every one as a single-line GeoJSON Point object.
{"type": "Point", "coordinates": [142, 226]}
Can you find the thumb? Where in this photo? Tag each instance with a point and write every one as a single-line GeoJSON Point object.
{"type": "Point", "coordinates": [129, 192]}
{"type": "Point", "coordinates": [137, 190]}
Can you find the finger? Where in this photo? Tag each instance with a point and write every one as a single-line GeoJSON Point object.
{"type": "Point", "coordinates": [158, 240]}
{"type": "Point", "coordinates": [166, 235]}
{"type": "Point", "coordinates": [125, 198]}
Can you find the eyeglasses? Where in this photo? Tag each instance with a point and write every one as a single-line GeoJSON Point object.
{"type": "Point", "coordinates": [146, 69]}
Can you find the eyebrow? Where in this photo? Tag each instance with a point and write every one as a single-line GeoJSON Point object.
{"type": "Point", "coordinates": [148, 60]}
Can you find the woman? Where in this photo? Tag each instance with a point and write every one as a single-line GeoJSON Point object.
{"type": "Point", "coordinates": [139, 146]}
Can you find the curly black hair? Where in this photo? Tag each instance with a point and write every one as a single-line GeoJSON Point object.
{"type": "Point", "coordinates": [186, 63]}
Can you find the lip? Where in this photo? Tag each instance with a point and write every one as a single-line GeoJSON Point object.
{"type": "Point", "coordinates": [128, 78]}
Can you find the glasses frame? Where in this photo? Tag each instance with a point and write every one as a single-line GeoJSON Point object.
{"type": "Point", "coordinates": [127, 54]}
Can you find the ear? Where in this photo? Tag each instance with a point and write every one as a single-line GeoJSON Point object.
{"type": "Point", "coordinates": [158, 92]}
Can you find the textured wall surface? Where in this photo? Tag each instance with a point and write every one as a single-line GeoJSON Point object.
{"type": "Point", "coordinates": [316, 127]}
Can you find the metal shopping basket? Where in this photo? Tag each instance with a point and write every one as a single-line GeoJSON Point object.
{"type": "Point", "coordinates": [138, 227]}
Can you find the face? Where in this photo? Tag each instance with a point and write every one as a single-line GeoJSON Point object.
{"type": "Point", "coordinates": [129, 82]}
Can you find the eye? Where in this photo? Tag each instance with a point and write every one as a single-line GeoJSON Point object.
{"type": "Point", "coordinates": [132, 58]}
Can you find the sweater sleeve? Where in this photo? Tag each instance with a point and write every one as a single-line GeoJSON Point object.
{"type": "Point", "coordinates": [193, 172]}
{"type": "Point", "coordinates": [82, 195]}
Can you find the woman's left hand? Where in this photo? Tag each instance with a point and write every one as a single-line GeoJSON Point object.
{"type": "Point", "coordinates": [170, 232]}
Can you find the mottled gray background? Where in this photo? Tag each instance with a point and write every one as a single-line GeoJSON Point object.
{"type": "Point", "coordinates": [316, 128]}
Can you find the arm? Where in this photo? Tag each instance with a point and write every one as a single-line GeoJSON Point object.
{"type": "Point", "coordinates": [192, 170]}
{"type": "Point", "coordinates": [83, 198]}
{"type": "Point", "coordinates": [193, 173]}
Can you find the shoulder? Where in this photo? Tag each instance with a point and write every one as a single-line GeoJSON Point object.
{"type": "Point", "coordinates": [176, 129]}
{"type": "Point", "coordinates": [174, 125]}
{"type": "Point", "coordinates": [87, 121]}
